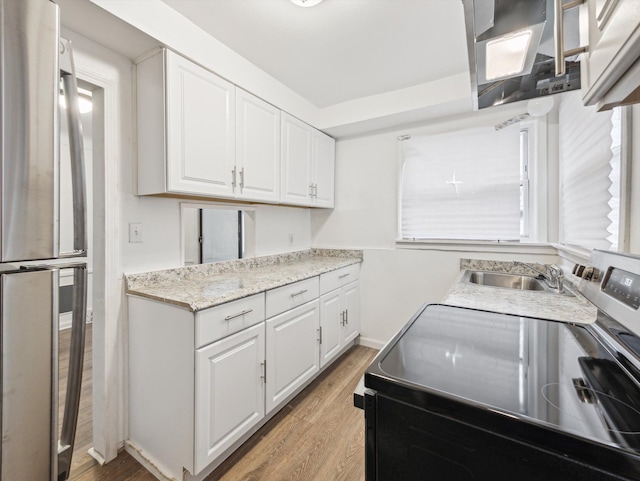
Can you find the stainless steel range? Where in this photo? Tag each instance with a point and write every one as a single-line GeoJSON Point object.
{"type": "Point", "coordinates": [466, 394]}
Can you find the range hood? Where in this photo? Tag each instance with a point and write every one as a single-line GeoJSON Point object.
{"type": "Point", "coordinates": [511, 50]}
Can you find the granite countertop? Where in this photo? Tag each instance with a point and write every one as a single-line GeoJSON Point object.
{"type": "Point", "coordinates": [200, 287]}
{"type": "Point", "coordinates": [544, 305]}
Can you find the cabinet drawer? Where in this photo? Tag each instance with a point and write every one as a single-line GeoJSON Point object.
{"type": "Point", "coordinates": [338, 278]}
{"type": "Point", "coordinates": [221, 321]}
{"type": "Point", "coordinates": [290, 296]}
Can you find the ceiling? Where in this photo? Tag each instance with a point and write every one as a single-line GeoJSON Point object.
{"type": "Point", "coordinates": [339, 50]}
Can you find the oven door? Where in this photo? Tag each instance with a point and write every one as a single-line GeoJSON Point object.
{"type": "Point", "coordinates": [370, 453]}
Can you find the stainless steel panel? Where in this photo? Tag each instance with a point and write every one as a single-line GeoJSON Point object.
{"type": "Point", "coordinates": [29, 73]}
{"type": "Point", "coordinates": [28, 320]}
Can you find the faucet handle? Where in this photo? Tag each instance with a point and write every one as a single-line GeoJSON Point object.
{"type": "Point", "coordinates": [555, 269]}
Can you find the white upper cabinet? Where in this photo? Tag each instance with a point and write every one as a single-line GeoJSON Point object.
{"type": "Point", "coordinates": [186, 142]}
{"type": "Point", "coordinates": [257, 148]}
{"type": "Point", "coordinates": [201, 135]}
{"type": "Point", "coordinates": [296, 161]}
{"type": "Point", "coordinates": [611, 67]}
{"type": "Point", "coordinates": [308, 164]}
{"type": "Point", "coordinates": [323, 170]}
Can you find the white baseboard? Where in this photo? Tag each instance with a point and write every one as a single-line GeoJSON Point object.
{"type": "Point", "coordinates": [368, 342]}
{"type": "Point", "coordinates": [65, 319]}
{"type": "Point", "coordinates": [96, 455]}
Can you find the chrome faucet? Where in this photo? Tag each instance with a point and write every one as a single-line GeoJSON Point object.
{"type": "Point", "coordinates": [552, 274]}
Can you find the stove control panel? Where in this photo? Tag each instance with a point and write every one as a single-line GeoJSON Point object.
{"type": "Point", "coordinates": [623, 286]}
{"type": "Point", "coordinates": [611, 281]}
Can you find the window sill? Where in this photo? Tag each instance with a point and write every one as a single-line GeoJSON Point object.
{"type": "Point", "coordinates": [477, 246]}
{"type": "Point", "coordinates": [573, 254]}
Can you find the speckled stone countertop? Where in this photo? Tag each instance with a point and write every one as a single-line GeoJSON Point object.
{"type": "Point", "coordinates": [207, 285]}
{"type": "Point", "coordinates": [544, 305]}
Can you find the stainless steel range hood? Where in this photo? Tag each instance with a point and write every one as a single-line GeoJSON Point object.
{"type": "Point", "coordinates": [498, 75]}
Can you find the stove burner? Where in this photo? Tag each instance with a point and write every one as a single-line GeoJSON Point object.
{"type": "Point", "coordinates": [578, 401]}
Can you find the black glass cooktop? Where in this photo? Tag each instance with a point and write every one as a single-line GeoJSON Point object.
{"type": "Point", "coordinates": [548, 373]}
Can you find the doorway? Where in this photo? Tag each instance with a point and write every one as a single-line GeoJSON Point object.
{"type": "Point", "coordinates": [84, 429]}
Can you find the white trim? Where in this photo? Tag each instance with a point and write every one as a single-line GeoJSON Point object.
{"type": "Point", "coordinates": [369, 342]}
{"type": "Point", "coordinates": [538, 168]}
{"type": "Point", "coordinates": [476, 246]}
{"type": "Point", "coordinates": [97, 66]}
{"type": "Point", "coordinates": [66, 319]}
{"type": "Point", "coordinates": [626, 149]}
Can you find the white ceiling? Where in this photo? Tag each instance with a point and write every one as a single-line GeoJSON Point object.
{"type": "Point", "coordinates": [339, 50]}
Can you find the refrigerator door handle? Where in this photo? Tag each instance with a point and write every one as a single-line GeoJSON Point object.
{"type": "Point", "coordinates": [78, 184]}
{"type": "Point", "coordinates": [74, 379]}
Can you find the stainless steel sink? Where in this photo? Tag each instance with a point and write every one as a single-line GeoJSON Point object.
{"type": "Point", "coordinates": [511, 281]}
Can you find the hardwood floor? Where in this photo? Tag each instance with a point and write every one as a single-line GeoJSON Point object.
{"type": "Point", "coordinates": [318, 436]}
{"type": "Point", "coordinates": [84, 431]}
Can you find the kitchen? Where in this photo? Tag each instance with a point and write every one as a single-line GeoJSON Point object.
{"type": "Point", "coordinates": [365, 212]}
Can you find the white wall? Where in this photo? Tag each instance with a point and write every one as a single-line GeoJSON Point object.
{"type": "Point", "coordinates": [161, 233]}
{"type": "Point", "coordinates": [406, 105]}
{"type": "Point", "coordinates": [395, 281]}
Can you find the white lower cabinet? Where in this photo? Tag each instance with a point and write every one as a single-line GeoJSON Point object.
{"type": "Point", "coordinates": [339, 320]}
{"type": "Point", "coordinates": [200, 384]}
{"type": "Point", "coordinates": [229, 396]}
{"type": "Point", "coordinates": [292, 352]}
{"type": "Point", "coordinates": [351, 320]}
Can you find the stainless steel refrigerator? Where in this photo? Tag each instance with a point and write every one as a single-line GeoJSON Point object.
{"type": "Point", "coordinates": [35, 65]}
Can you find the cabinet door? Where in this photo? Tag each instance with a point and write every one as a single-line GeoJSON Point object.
{"type": "Point", "coordinates": [257, 148]}
{"type": "Point", "coordinates": [351, 305]}
{"type": "Point", "coordinates": [292, 352]}
{"type": "Point", "coordinates": [229, 392]}
{"type": "Point", "coordinates": [296, 161]}
{"type": "Point", "coordinates": [614, 46]}
{"type": "Point", "coordinates": [331, 324]}
{"type": "Point", "coordinates": [324, 156]}
{"type": "Point", "coordinates": [200, 129]}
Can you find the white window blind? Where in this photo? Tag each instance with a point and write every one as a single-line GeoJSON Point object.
{"type": "Point", "coordinates": [462, 185]}
{"type": "Point", "coordinates": [589, 175]}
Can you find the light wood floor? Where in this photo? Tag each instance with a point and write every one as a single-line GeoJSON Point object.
{"type": "Point", "coordinates": [84, 431]}
{"type": "Point", "coordinates": [318, 436]}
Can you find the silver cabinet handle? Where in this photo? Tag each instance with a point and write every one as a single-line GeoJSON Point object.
{"type": "Point", "coordinates": [233, 179]}
{"type": "Point", "coordinates": [299, 292]}
{"type": "Point", "coordinates": [246, 311]}
{"type": "Point", "coordinates": [343, 317]}
{"type": "Point", "coordinates": [344, 275]}
{"type": "Point", "coordinates": [558, 34]}
{"type": "Point", "coordinates": [263, 365]}
{"type": "Point", "coordinates": [315, 190]}
{"type": "Point", "coordinates": [320, 335]}
{"type": "Point", "coordinates": [241, 179]}
{"type": "Point", "coordinates": [310, 190]}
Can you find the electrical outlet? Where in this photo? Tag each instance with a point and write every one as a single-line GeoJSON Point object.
{"type": "Point", "coordinates": [291, 240]}
{"type": "Point", "coordinates": [135, 233]}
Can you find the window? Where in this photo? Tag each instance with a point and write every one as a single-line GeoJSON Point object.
{"type": "Point", "coordinates": [215, 233]}
{"type": "Point", "coordinates": [465, 185]}
{"type": "Point", "coordinates": [590, 159]}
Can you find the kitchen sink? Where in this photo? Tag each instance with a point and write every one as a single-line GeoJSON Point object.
{"type": "Point", "coordinates": [511, 281]}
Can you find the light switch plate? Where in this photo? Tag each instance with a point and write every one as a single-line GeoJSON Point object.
{"type": "Point", "coordinates": [135, 233]}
